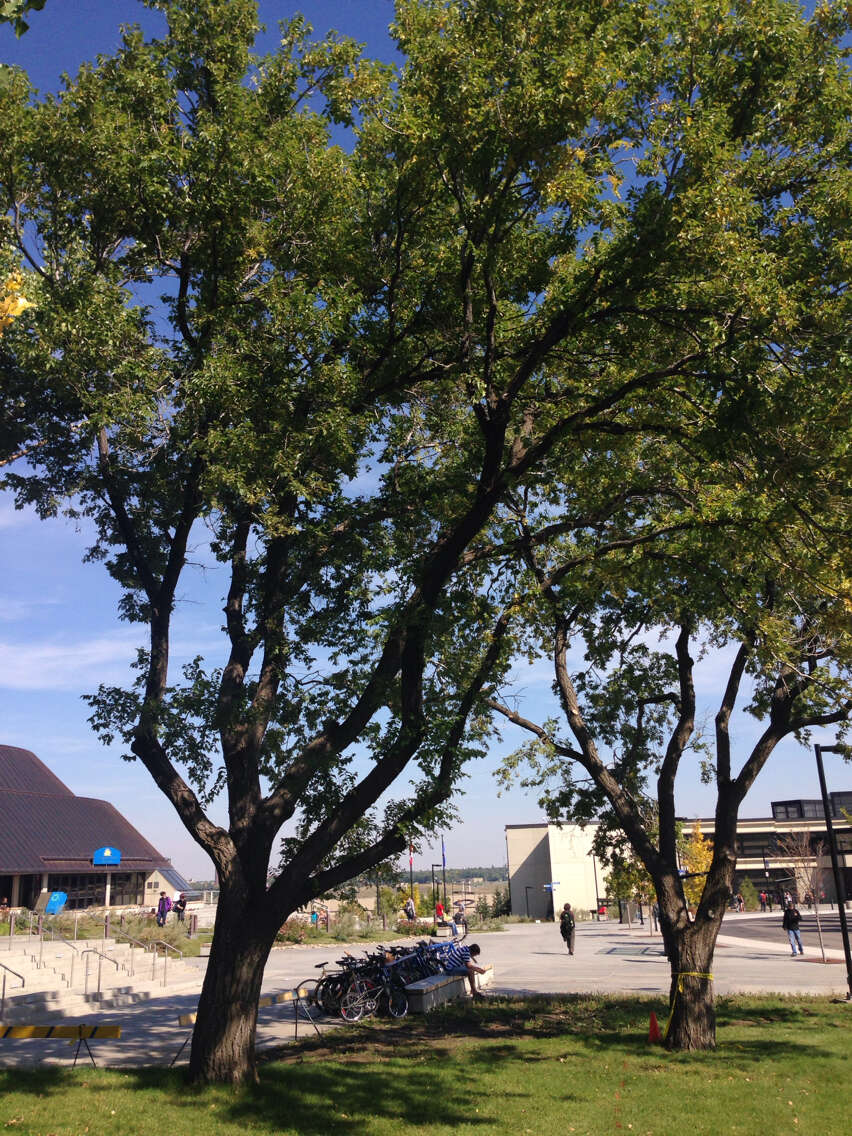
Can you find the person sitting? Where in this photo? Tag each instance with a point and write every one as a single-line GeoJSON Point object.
{"type": "Point", "coordinates": [459, 960]}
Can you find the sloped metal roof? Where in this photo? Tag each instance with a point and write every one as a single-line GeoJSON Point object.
{"type": "Point", "coordinates": [45, 828]}
{"type": "Point", "coordinates": [22, 772]}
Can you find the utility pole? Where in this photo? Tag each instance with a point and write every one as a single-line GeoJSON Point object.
{"type": "Point", "coordinates": [839, 886]}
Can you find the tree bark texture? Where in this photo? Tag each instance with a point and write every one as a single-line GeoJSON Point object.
{"type": "Point", "coordinates": [692, 1024]}
{"type": "Point", "coordinates": [223, 1042]}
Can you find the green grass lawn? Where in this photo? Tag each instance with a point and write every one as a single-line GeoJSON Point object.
{"type": "Point", "coordinates": [529, 1067]}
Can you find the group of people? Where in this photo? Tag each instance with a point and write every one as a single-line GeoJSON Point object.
{"type": "Point", "coordinates": [165, 905]}
{"type": "Point", "coordinates": [457, 921]}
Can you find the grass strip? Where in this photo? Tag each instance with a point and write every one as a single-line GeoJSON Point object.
{"type": "Point", "coordinates": [532, 1067]}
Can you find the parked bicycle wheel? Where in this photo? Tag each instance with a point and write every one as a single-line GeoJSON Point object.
{"type": "Point", "coordinates": [353, 1004]}
{"type": "Point", "coordinates": [329, 992]}
{"type": "Point", "coordinates": [397, 1002]}
{"type": "Point", "coordinates": [307, 998]}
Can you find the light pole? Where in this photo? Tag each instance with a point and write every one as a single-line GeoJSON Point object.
{"type": "Point", "coordinates": [839, 887]}
{"type": "Point", "coordinates": [434, 888]}
{"type": "Point", "coordinates": [597, 897]}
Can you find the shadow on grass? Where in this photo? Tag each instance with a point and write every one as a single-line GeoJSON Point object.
{"type": "Point", "coordinates": [350, 1079]}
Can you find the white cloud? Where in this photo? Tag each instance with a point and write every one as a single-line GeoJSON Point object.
{"type": "Point", "coordinates": [13, 611]}
{"type": "Point", "coordinates": [67, 666]}
{"type": "Point", "coordinates": [82, 664]}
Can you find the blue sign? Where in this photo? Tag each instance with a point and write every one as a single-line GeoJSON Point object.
{"type": "Point", "coordinates": [551, 886]}
{"type": "Point", "coordinates": [106, 855]}
{"type": "Point", "coordinates": [57, 901]}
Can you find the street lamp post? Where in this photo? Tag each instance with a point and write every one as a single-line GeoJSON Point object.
{"type": "Point", "coordinates": [839, 888]}
{"type": "Point", "coordinates": [597, 897]}
{"type": "Point", "coordinates": [435, 889]}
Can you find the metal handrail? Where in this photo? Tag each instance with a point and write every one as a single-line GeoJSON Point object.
{"type": "Point", "coordinates": [101, 955]}
{"type": "Point", "coordinates": [5, 968]}
{"type": "Point", "coordinates": [56, 935]}
{"type": "Point", "coordinates": [131, 940]}
{"type": "Point", "coordinates": [169, 947]}
{"type": "Point", "coordinates": [68, 943]}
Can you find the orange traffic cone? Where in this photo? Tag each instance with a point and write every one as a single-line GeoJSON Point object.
{"type": "Point", "coordinates": [654, 1035]}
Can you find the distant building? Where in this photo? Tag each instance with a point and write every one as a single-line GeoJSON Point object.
{"type": "Point", "coordinates": [550, 865]}
{"type": "Point", "coordinates": [48, 837]}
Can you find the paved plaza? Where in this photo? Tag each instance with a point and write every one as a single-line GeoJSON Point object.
{"type": "Point", "coordinates": [528, 958]}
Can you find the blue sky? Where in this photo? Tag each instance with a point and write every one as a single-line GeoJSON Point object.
{"type": "Point", "coordinates": [59, 632]}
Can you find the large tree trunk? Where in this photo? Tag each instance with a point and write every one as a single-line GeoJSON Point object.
{"type": "Point", "coordinates": [223, 1042]}
{"type": "Point", "coordinates": [692, 1024]}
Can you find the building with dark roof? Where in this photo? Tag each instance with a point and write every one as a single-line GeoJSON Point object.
{"type": "Point", "coordinates": [48, 837]}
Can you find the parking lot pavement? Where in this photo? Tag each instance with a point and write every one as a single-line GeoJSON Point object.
{"type": "Point", "coordinates": [527, 957]}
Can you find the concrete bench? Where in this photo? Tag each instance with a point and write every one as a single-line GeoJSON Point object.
{"type": "Point", "coordinates": [427, 993]}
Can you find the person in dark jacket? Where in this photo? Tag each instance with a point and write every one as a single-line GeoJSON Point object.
{"type": "Point", "coordinates": [567, 927]}
{"type": "Point", "coordinates": [790, 923]}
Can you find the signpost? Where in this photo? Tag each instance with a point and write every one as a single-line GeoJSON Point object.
{"type": "Point", "coordinates": [109, 858]}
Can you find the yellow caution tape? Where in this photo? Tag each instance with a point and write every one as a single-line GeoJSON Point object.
{"type": "Point", "coordinates": [266, 1000]}
{"type": "Point", "coordinates": [683, 974]}
{"type": "Point", "coordinates": [76, 1033]}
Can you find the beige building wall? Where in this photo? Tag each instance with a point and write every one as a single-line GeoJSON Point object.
{"type": "Point", "coordinates": [574, 868]}
{"type": "Point", "coordinates": [528, 851]}
{"type": "Point", "coordinates": [541, 854]}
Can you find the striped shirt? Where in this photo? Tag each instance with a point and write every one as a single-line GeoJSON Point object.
{"type": "Point", "coordinates": [456, 958]}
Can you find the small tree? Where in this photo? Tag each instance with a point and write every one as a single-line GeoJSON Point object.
{"type": "Point", "coordinates": [803, 854]}
{"type": "Point", "coordinates": [501, 903]}
{"type": "Point", "coordinates": [696, 857]}
{"type": "Point", "coordinates": [749, 893]}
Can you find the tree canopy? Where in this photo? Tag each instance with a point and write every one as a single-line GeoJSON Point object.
{"type": "Point", "coordinates": [557, 304]}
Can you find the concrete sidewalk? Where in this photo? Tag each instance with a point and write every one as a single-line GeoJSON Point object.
{"type": "Point", "coordinates": [529, 958]}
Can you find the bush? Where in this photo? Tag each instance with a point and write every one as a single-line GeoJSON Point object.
{"type": "Point", "coordinates": [292, 931]}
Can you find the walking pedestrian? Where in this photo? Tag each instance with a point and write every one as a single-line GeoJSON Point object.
{"type": "Point", "coordinates": [567, 927]}
{"type": "Point", "coordinates": [790, 923]}
{"type": "Point", "coordinates": [163, 909]}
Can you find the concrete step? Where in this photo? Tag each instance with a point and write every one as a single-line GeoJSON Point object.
{"type": "Point", "coordinates": [37, 1006]}
{"type": "Point", "coordinates": [48, 986]}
